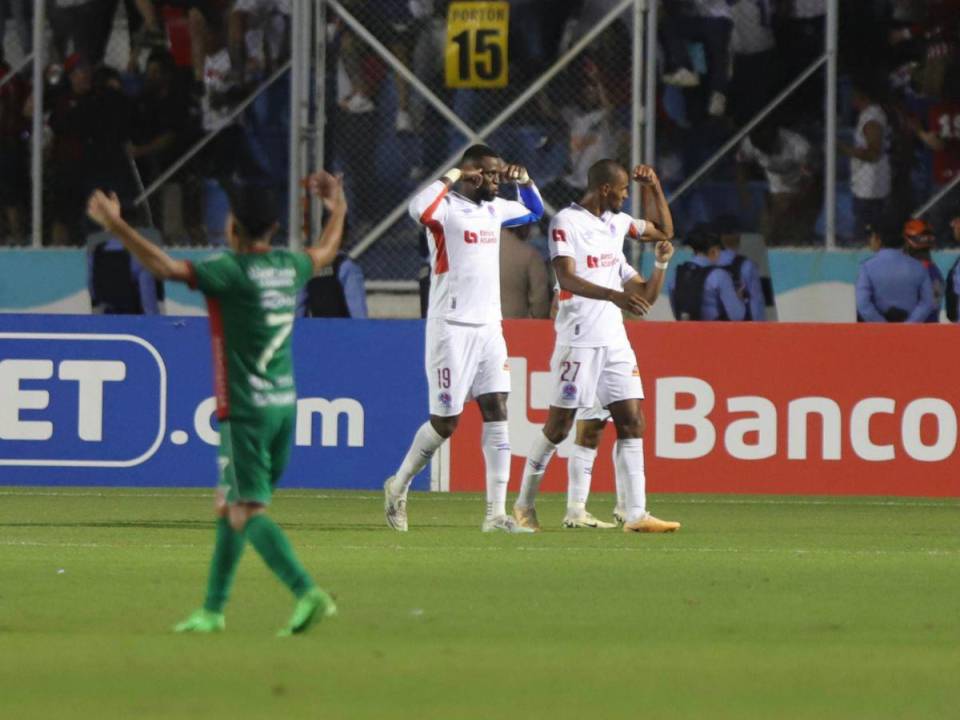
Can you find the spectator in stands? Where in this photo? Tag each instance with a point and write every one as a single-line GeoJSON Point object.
{"type": "Point", "coordinates": [164, 119]}
{"type": "Point", "coordinates": [524, 282]}
{"type": "Point", "coordinates": [920, 239]}
{"type": "Point", "coordinates": [337, 290]}
{"type": "Point", "coordinates": [743, 271]}
{"type": "Point", "coordinates": [871, 175]}
{"type": "Point", "coordinates": [82, 26]}
{"type": "Point", "coordinates": [14, 176]}
{"type": "Point", "coordinates": [892, 286]}
{"type": "Point", "coordinates": [799, 33]}
{"type": "Point", "coordinates": [937, 127]}
{"type": "Point", "coordinates": [68, 116]}
{"type": "Point", "coordinates": [21, 12]}
{"type": "Point", "coordinates": [709, 22]}
{"type": "Point", "coordinates": [755, 60]}
{"type": "Point", "coordinates": [118, 284]}
{"type": "Point", "coordinates": [951, 295]}
{"type": "Point", "coordinates": [259, 37]}
{"type": "Point", "coordinates": [360, 74]}
{"type": "Point", "coordinates": [786, 159]}
{"type": "Point", "coordinates": [229, 157]}
{"type": "Point", "coordinates": [593, 135]}
{"type": "Point", "coordinates": [700, 289]}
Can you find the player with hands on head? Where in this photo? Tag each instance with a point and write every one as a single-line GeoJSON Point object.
{"type": "Point", "coordinates": [251, 297]}
{"type": "Point", "coordinates": [466, 356]}
{"type": "Point", "coordinates": [592, 361]}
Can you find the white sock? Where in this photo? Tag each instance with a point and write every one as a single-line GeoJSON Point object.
{"type": "Point", "coordinates": [424, 445]}
{"type": "Point", "coordinates": [496, 457]}
{"type": "Point", "coordinates": [629, 460]}
{"type": "Point", "coordinates": [618, 481]}
{"type": "Point", "coordinates": [579, 473]}
{"type": "Point", "coordinates": [533, 469]}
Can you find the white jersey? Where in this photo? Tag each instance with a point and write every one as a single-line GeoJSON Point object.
{"type": "Point", "coordinates": [464, 241]}
{"type": "Point", "coordinates": [596, 245]}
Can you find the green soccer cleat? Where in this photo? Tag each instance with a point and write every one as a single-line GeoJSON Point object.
{"type": "Point", "coordinates": [316, 604]}
{"type": "Point", "coordinates": [202, 621]}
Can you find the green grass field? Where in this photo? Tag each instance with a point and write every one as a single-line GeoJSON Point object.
{"type": "Point", "coordinates": [761, 607]}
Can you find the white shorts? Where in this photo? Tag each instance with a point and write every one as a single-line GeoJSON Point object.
{"type": "Point", "coordinates": [464, 362]}
{"type": "Point", "coordinates": [584, 376]}
{"type": "Point", "coordinates": [595, 412]}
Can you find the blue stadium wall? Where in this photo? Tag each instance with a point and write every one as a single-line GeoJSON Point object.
{"type": "Point", "coordinates": [810, 285]}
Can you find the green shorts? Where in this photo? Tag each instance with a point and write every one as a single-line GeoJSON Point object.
{"type": "Point", "coordinates": [254, 453]}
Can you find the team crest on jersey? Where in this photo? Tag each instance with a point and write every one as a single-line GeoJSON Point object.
{"type": "Point", "coordinates": [506, 366]}
{"type": "Point", "coordinates": [569, 391]}
{"type": "Point", "coordinates": [491, 210]}
{"type": "Point", "coordinates": [636, 371]}
{"type": "Point", "coordinates": [445, 398]}
{"type": "Point", "coordinates": [613, 229]}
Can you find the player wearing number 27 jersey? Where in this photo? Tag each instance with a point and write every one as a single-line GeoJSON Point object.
{"type": "Point", "coordinates": [593, 361]}
{"type": "Point", "coordinates": [251, 295]}
{"type": "Point", "coordinates": [466, 356]}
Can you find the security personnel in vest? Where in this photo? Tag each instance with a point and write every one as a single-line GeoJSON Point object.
{"type": "Point", "coordinates": [700, 289]}
{"type": "Point", "coordinates": [746, 276]}
{"type": "Point", "coordinates": [892, 286]}
{"type": "Point", "coordinates": [920, 239]}
{"type": "Point", "coordinates": [118, 284]}
{"type": "Point", "coordinates": [338, 290]}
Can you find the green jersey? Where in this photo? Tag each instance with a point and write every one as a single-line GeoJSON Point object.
{"type": "Point", "coordinates": [252, 300]}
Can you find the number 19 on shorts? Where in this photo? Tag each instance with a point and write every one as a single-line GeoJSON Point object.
{"type": "Point", "coordinates": [476, 51]}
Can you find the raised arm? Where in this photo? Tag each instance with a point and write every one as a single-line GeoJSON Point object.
{"type": "Point", "coordinates": [530, 207]}
{"type": "Point", "coordinates": [330, 190]}
{"type": "Point", "coordinates": [658, 220]}
{"type": "Point", "coordinates": [104, 210]}
{"type": "Point", "coordinates": [651, 289]}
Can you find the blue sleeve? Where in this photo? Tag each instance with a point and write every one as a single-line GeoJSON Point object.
{"type": "Point", "coordinates": [864, 290]}
{"type": "Point", "coordinates": [926, 305]}
{"type": "Point", "coordinates": [758, 303]}
{"type": "Point", "coordinates": [530, 198]}
{"type": "Point", "coordinates": [733, 306]}
{"type": "Point", "coordinates": [354, 289]}
{"type": "Point", "coordinates": [148, 288]}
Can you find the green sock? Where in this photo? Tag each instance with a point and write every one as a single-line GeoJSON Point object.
{"type": "Point", "coordinates": [223, 565]}
{"type": "Point", "coordinates": [272, 544]}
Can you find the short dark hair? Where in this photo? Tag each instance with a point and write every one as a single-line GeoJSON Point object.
{"type": "Point", "coordinates": [603, 172]}
{"type": "Point", "coordinates": [255, 208]}
{"type": "Point", "coordinates": [702, 238]}
{"type": "Point", "coordinates": [475, 153]}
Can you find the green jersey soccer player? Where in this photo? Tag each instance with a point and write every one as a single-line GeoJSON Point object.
{"type": "Point", "coordinates": [251, 296]}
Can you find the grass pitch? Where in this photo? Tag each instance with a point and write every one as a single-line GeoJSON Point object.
{"type": "Point", "coordinates": [761, 607]}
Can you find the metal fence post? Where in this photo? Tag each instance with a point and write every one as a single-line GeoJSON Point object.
{"type": "Point", "coordinates": [320, 102]}
{"type": "Point", "coordinates": [830, 124]}
{"type": "Point", "coordinates": [36, 139]}
{"type": "Point", "coordinates": [639, 115]}
{"type": "Point", "coordinates": [299, 68]}
{"type": "Point", "coordinates": [650, 118]}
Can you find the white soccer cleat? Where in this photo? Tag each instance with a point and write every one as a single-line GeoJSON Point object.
{"type": "Point", "coordinates": [394, 508]}
{"type": "Point", "coordinates": [526, 517]}
{"type": "Point", "coordinates": [619, 516]}
{"type": "Point", "coordinates": [585, 520]}
{"type": "Point", "coordinates": [503, 523]}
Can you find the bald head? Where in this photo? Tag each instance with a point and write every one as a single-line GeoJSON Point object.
{"type": "Point", "coordinates": [605, 172]}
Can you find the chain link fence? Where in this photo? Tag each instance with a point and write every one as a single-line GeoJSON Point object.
{"type": "Point", "coordinates": [165, 103]}
{"type": "Point", "coordinates": [411, 86]}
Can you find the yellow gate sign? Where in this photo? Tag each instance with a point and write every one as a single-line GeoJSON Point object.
{"type": "Point", "coordinates": [476, 55]}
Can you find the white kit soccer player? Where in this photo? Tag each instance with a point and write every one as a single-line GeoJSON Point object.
{"type": "Point", "coordinates": [466, 356]}
{"type": "Point", "coordinates": [593, 361]}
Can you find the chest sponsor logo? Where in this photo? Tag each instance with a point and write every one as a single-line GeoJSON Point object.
{"type": "Point", "coordinates": [481, 237]}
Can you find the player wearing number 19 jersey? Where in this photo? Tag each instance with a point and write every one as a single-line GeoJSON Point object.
{"type": "Point", "coordinates": [251, 296]}
{"type": "Point", "coordinates": [466, 356]}
{"type": "Point", "coordinates": [593, 361]}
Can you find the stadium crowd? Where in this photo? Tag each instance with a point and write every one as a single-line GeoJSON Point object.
{"type": "Point", "coordinates": [121, 111]}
